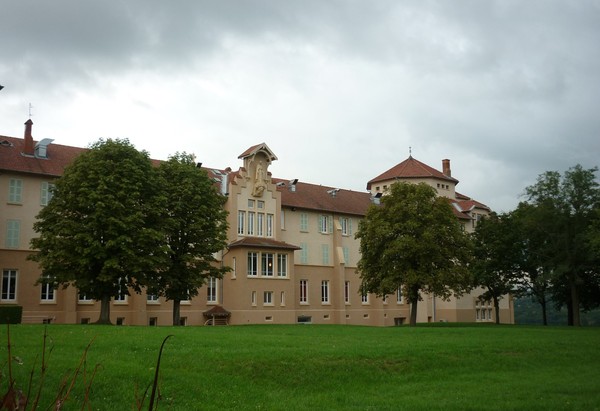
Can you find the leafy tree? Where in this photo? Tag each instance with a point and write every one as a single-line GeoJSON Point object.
{"type": "Point", "coordinates": [194, 228]}
{"type": "Point", "coordinates": [571, 202]}
{"type": "Point", "coordinates": [99, 232]}
{"type": "Point", "coordinates": [413, 240]}
{"type": "Point", "coordinates": [495, 266]}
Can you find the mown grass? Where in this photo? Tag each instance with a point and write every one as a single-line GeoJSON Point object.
{"type": "Point", "coordinates": [310, 367]}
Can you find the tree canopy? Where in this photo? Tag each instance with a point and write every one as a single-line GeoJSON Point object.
{"type": "Point", "coordinates": [413, 241]}
{"type": "Point", "coordinates": [194, 225]}
{"type": "Point", "coordinates": [99, 231]}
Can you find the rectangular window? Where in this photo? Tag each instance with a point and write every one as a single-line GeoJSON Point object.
{"type": "Point", "coordinates": [325, 292]}
{"type": "Point", "coordinates": [325, 253]}
{"type": "Point", "coordinates": [303, 222]}
{"type": "Point", "coordinates": [252, 264]}
{"type": "Point", "coordinates": [267, 260]}
{"type": "Point", "coordinates": [399, 297]}
{"type": "Point", "coordinates": [250, 203]}
{"type": "Point", "coordinates": [347, 292]}
{"type": "Point", "coordinates": [346, 224]}
{"type": "Point", "coordinates": [122, 293]}
{"type": "Point", "coordinates": [47, 289]}
{"type": "Point", "coordinates": [303, 253]}
{"type": "Point", "coordinates": [152, 298]}
{"type": "Point", "coordinates": [260, 204]}
{"type": "Point", "coordinates": [46, 193]}
{"type": "Point", "coordinates": [268, 297]}
{"type": "Point", "coordinates": [346, 251]}
{"type": "Point", "coordinates": [323, 224]}
{"type": "Point", "coordinates": [15, 191]}
{"type": "Point", "coordinates": [260, 224]}
{"type": "Point", "coordinates": [282, 219]}
{"type": "Point", "coordinates": [83, 298]}
{"type": "Point", "coordinates": [241, 219]}
{"type": "Point", "coordinates": [9, 285]}
{"type": "Point", "coordinates": [270, 225]}
{"type": "Point", "coordinates": [364, 296]}
{"type": "Point", "coordinates": [13, 229]}
{"type": "Point", "coordinates": [211, 290]}
{"type": "Point", "coordinates": [304, 291]}
{"type": "Point", "coordinates": [251, 222]}
{"type": "Point", "coordinates": [281, 265]}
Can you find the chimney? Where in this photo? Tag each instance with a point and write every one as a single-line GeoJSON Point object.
{"type": "Point", "coordinates": [28, 150]}
{"type": "Point", "coordinates": [446, 168]}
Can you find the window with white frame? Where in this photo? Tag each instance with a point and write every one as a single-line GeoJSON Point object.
{"type": "Point", "coordinates": [84, 298]}
{"type": "Point", "coordinates": [282, 265]}
{"type": "Point", "coordinates": [241, 221]}
{"type": "Point", "coordinates": [251, 222]}
{"type": "Point", "coordinates": [270, 225]}
{"type": "Point", "coordinates": [303, 291]}
{"type": "Point", "coordinates": [46, 193]}
{"type": "Point", "coordinates": [121, 296]}
{"type": "Point", "coordinates": [252, 264]}
{"type": "Point", "coordinates": [364, 296]}
{"type": "Point", "coordinates": [47, 289]}
{"type": "Point", "coordinates": [152, 298]}
{"type": "Point", "coordinates": [346, 224]}
{"type": "Point", "coordinates": [9, 285]}
{"type": "Point", "coordinates": [268, 297]}
{"type": "Point", "coordinates": [267, 260]}
{"type": "Point", "coordinates": [250, 203]}
{"type": "Point", "coordinates": [13, 230]}
{"type": "Point", "coordinates": [324, 224]}
{"type": "Point", "coordinates": [260, 224]}
{"type": "Point", "coordinates": [211, 290]}
{"type": "Point", "coordinates": [303, 222]}
{"type": "Point", "coordinates": [399, 296]}
{"type": "Point", "coordinates": [15, 191]}
{"type": "Point", "coordinates": [347, 292]}
{"type": "Point", "coordinates": [325, 292]}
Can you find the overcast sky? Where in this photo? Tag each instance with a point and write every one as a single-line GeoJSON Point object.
{"type": "Point", "coordinates": [339, 90]}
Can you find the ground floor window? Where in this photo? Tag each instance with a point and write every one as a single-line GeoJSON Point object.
{"type": "Point", "coordinates": [211, 290]}
{"type": "Point", "coordinates": [47, 289]}
{"type": "Point", "coordinates": [9, 285]}
{"type": "Point", "coordinates": [325, 292]}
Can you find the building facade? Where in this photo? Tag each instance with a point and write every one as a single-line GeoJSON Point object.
{"type": "Point", "coordinates": [291, 251]}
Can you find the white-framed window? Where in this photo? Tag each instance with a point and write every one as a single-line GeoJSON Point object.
{"type": "Point", "coordinates": [9, 285]}
{"type": "Point", "coordinates": [281, 265]}
{"type": "Point", "coordinates": [304, 222]}
{"type": "Point", "coordinates": [268, 297]}
{"type": "Point", "coordinates": [84, 298]}
{"type": "Point", "coordinates": [15, 191]}
{"type": "Point", "coordinates": [324, 224]}
{"type": "Point", "coordinates": [364, 296]}
{"type": "Point", "coordinates": [324, 292]}
{"type": "Point", "coordinates": [260, 224]}
{"type": "Point", "coordinates": [270, 225]}
{"type": "Point", "coordinates": [13, 230]}
{"type": "Point", "coordinates": [251, 222]}
{"type": "Point", "coordinates": [346, 224]}
{"type": "Point", "coordinates": [250, 203]}
{"type": "Point", "coordinates": [46, 193]}
{"type": "Point", "coordinates": [211, 290]}
{"type": "Point", "coordinates": [121, 296]}
{"type": "Point", "coordinates": [303, 253]}
{"type": "Point", "coordinates": [151, 298]}
{"type": "Point", "coordinates": [267, 260]}
{"type": "Point", "coordinates": [399, 296]}
{"type": "Point", "coordinates": [252, 264]}
{"type": "Point", "coordinates": [241, 221]}
{"type": "Point", "coordinates": [47, 289]}
{"type": "Point", "coordinates": [347, 292]}
{"type": "Point", "coordinates": [325, 253]}
{"type": "Point", "coordinates": [303, 291]}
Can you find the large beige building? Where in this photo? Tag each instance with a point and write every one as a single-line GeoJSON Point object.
{"type": "Point", "coordinates": [291, 248]}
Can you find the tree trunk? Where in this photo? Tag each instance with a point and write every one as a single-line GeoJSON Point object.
{"type": "Point", "coordinates": [544, 312]}
{"type": "Point", "coordinates": [414, 300]}
{"type": "Point", "coordinates": [104, 311]}
{"type": "Point", "coordinates": [575, 303]}
{"type": "Point", "coordinates": [497, 309]}
{"type": "Point", "coordinates": [176, 311]}
{"type": "Point", "coordinates": [569, 313]}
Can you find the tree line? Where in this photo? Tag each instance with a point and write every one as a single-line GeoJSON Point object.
{"type": "Point", "coordinates": [547, 248]}
{"type": "Point", "coordinates": [116, 223]}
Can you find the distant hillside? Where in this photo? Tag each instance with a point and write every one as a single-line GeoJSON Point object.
{"type": "Point", "coordinates": [529, 312]}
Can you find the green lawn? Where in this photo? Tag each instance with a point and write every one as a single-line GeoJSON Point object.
{"type": "Point", "coordinates": [299, 367]}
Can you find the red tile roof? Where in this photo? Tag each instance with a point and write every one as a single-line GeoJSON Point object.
{"type": "Point", "coordinates": [317, 197]}
{"type": "Point", "coordinates": [260, 242]}
{"type": "Point", "coordinates": [58, 157]}
{"type": "Point", "coordinates": [411, 168]}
